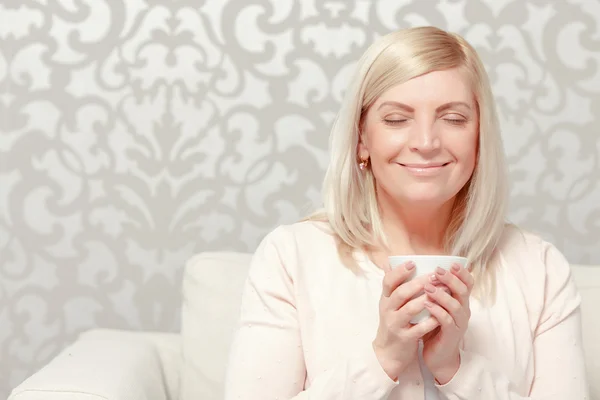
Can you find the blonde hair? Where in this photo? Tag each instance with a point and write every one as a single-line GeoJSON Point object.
{"type": "Point", "coordinates": [350, 202]}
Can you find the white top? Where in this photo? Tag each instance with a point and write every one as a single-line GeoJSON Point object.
{"type": "Point", "coordinates": [307, 324]}
{"type": "Point", "coordinates": [431, 392]}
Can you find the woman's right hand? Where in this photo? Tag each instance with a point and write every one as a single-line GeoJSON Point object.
{"type": "Point", "coordinates": [397, 340]}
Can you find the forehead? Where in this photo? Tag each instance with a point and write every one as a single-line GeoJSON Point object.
{"type": "Point", "coordinates": [432, 89]}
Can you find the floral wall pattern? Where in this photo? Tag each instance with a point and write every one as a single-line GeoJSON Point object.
{"type": "Point", "coordinates": [135, 133]}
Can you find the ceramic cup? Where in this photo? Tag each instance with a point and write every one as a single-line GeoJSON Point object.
{"type": "Point", "coordinates": [426, 265]}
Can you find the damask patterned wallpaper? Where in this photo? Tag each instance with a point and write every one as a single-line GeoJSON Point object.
{"type": "Point", "coordinates": [135, 133]}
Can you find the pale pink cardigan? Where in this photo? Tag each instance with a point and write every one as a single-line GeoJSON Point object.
{"type": "Point", "coordinates": [307, 323]}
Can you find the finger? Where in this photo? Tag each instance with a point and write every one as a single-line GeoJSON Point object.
{"type": "Point", "coordinates": [441, 286]}
{"type": "Point", "coordinates": [406, 291]}
{"type": "Point", "coordinates": [464, 275]}
{"type": "Point", "coordinates": [410, 310]}
{"type": "Point", "coordinates": [451, 305]}
{"type": "Point", "coordinates": [396, 276]}
{"type": "Point", "coordinates": [424, 327]}
{"type": "Point", "coordinates": [446, 321]}
{"type": "Point", "coordinates": [434, 332]}
{"type": "Point", "coordinates": [435, 281]}
{"type": "Point", "coordinates": [457, 287]}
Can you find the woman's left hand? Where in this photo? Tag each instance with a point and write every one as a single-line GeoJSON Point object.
{"type": "Point", "coordinates": [441, 347]}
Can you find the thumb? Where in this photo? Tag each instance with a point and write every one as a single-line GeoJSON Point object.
{"type": "Point", "coordinates": [386, 267]}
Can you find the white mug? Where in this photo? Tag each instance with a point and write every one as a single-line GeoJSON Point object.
{"type": "Point", "coordinates": [426, 265]}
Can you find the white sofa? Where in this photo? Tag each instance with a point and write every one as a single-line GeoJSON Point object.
{"type": "Point", "coordinates": [121, 365]}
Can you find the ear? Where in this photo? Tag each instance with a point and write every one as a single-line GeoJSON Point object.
{"type": "Point", "coordinates": [362, 148]}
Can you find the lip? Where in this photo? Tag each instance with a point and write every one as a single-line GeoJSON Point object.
{"type": "Point", "coordinates": [424, 169]}
{"type": "Point", "coordinates": [425, 165]}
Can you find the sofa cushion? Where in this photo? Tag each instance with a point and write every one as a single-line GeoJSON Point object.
{"type": "Point", "coordinates": [587, 278]}
{"type": "Point", "coordinates": [212, 291]}
{"type": "Point", "coordinates": [107, 364]}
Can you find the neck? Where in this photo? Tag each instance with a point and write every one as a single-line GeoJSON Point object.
{"type": "Point", "coordinates": [415, 230]}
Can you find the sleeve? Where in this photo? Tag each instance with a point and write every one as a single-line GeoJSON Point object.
{"type": "Point", "coordinates": [557, 348]}
{"type": "Point", "coordinates": [266, 360]}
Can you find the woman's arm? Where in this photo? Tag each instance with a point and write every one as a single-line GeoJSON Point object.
{"type": "Point", "coordinates": [267, 357]}
{"type": "Point", "coordinates": [557, 348]}
{"type": "Point", "coordinates": [559, 370]}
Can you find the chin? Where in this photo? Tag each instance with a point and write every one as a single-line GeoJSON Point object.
{"type": "Point", "coordinates": [420, 200]}
{"type": "Point", "coordinates": [420, 194]}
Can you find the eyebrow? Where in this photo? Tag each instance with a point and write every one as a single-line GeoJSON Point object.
{"type": "Point", "coordinates": [408, 108]}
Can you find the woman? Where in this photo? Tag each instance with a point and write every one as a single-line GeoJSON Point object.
{"type": "Point", "coordinates": [416, 168]}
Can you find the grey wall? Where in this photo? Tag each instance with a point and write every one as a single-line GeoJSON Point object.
{"type": "Point", "coordinates": [135, 133]}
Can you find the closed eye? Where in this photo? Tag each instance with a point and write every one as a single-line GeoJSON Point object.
{"type": "Point", "coordinates": [455, 121]}
{"type": "Point", "coordinates": [394, 121]}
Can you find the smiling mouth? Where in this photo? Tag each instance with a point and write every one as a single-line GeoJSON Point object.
{"type": "Point", "coordinates": [425, 166]}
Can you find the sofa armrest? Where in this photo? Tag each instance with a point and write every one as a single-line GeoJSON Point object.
{"type": "Point", "coordinates": [109, 365]}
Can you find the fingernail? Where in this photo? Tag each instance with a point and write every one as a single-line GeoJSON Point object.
{"type": "Point", "coordinates": [440, 271]}
{"type": "Point", "coordinates": [430, 288]}
{"type": "Point", "coordinates": [434, 279]}
{"type": "Point", "coordinates": [428, 304]}
{"type": "Point", "coordinates": [456, 267]}
{"type": "Point", "coordinates": [410, 266]}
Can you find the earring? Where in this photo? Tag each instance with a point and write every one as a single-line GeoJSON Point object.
{"type": "Point", "coordinates": [363, 164]}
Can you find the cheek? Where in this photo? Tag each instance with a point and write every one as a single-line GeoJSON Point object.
{"type": "Point", "coordinates": [471, 154]}
{"type": "Point", "coordinates": [384, 142]}
{"type": "Point", "coordinates": [468, 154]}
{"type": "Point", "coordinates": [464, 143]}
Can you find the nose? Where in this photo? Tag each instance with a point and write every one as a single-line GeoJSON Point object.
{"type": "Point", "coordinates": [423, 137]}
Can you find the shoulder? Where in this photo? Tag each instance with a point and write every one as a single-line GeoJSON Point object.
{"type": "Point", "coordinates": [536, 263]}
{"type": "Point", "coordinates": [300, 234]}
{"type": "Point", "coordinates": [522, 247]}
{"type": "Point", "coordinates": [292, 245]}
{"type": "Point", "coordinates": [517, 240]}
